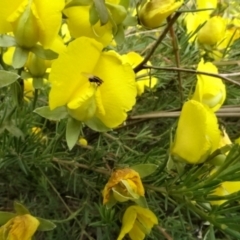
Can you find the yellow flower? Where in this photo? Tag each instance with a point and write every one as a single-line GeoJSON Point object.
{"type": "Point", "coordinates": [118, 183]}
{"type": "Point", "coordinates": [204, 4]}
{"type": "Point", "coordinates": [134, 59]}
{"type": "Point", "coordinates": [154, 12]}
{"type": "Point", "coordinates": [21, 227]}
{"type": "Point", "coordinates": [209, 90]}
{"type": "Point", "coordinates": [137, 222]}
{"type": "Point", "coordinates": [31, 21]}
{"type": "Point", "coordinates": [224, 189]}
{"type": "Point", "coordinates": [216, 26]}
{"type": "Point", "coordinates": [192, 22]}
{"type": "Point", "coordinates": [197, 133]}
{"type": "Point", "coordinates": [28, 89]}
{"type": "Point", "coordinates": [92, 83]}
{"type": "Point", "coordinates": [79, 25]}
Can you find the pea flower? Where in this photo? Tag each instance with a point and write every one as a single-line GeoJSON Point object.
{"type": "Point", "coordinates": [216, 26]}
{"type": "Point", "coordinates": [204, 4]}
{"type": "Point", "coordinates": [154, 12]}
{"type": "Point", "coordinates": [124, 184]}
{"type": "Point", "coordinates": [79, 25]}
{"type": "Point", "coordinates": [92, 84]}
{"type": "Point", "coordinates": [197, 133]}
{"type": "Point", "coordinates": [134, 59]}
{"type": "Point", "coordinates": [31, 21]}
{"type": "Point", "coordinates": [21, 227]}
{"type": "Point", "coordinates": [209, 90]}
{"type": "Point", "coordinates": [137, 222]}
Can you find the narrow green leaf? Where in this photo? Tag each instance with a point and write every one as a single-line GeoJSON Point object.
{"type": "Point", "coordinates": [102, 11]}
{"type": "Point", "coordinates": [145, 170]}
{"type": "Point", "coordinates": [7, 78]}
{"type": "Point", "coordinates": [7, 41]}
{"type": "Point", "coordinates": [45, 225]}
{"type": "Point", "coordinates": [20, 57]}
{"type": "Point", "coordinates": [20, 209]}
{"type": "Point", "coordinates": [14, 130]}
{"type": "Point", "coordinates": [5, 217]}
{"type": "Point", "coordinates": [72, 132]}
{"type": "Point", "coordinates": [97, 125]}
{"type": "Point", "coordinates": [76, 3]}
{"type": "Point", "coordinates": [44, 53]}
{"type": "Point", "coordinates": [55, 114]}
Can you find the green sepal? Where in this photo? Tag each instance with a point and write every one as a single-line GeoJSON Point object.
{"type": "Point", "coordinates": [45, 225]}
{"type": "Point", "coordinates": [97, 125]}
{"type": "Point", "coordinates": [46, 54]}
{"type": "Point", "coordinates": [55, 114]}
{"type": "Point", "coordinates": [20, 57]}
{"type": "Point", "coordinates": [7, 78]}
{"type": "Point", "coordinates": [5, 217]}
{"type": "Point", "coordinates": [93, 15]}
{"type": "Point", "coordinates": [145, 170]}
{"type": "Point", "coordinates": [119, 35]}
{"type": "Point", "coordinates": [111, 202]}
{"type": "Point", "coordinates": [218, 160]}
{"type": "Point", "coordinates": [26, 75]}
{"type": "Point", "coordinates": [20, 209]}
{"type": "Point", "coordinates": [76, 3]}
{"type": "Point", "coordinates": [72, 132]}
{"type": "Point", "coordinates": [7, 41]}
{"type": "Point", "coordinates": [101, 11]}
{"type": "Point", "coordinates": [141, 201]}
{"type": "Point", "coordinates": [38, 83]}
{"type": "Point", "coordinates": [130, 20]}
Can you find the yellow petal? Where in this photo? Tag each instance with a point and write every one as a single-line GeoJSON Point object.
{"type": "Point", "coordinates": [136, 233]}
{"type": "Point", "coordinates": [118, 90]}
{"type": "Point", "coordinates": [129, 218]}
{"type": "Point", "coordinates": [5, 10]}
{"type": "Point", "coordinates": [203, 4]}
{"type": "Point", "coordinates": [209, 90]}
{"type": "Point", "coordinates": [224, 189]}
{"type": "Point", "coordinates": [79, 25]}
{"type": "Point", "coordinates": [80, 57]}
{"type": "Point", "coordinates": [51, 18]}
{"type": "Point", "coordinates": [216, 26]}
{"type": "Point", "coordinates": [154, 12]}
{"type": "Point", "coordinates": [134, 59]}
{"type": "Point", "coordinates": [147, 214]}
{"type": "Point", "coordinates": [21, 227]}
{"type": "Point", "coordinates": [192, 22]}
{"type": "Point", "coordinates": [197, 133]}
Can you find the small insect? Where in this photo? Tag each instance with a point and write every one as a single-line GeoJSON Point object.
{"type": "Point", "coordinates": [95, 79]}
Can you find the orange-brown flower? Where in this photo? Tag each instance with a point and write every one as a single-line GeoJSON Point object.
{"type": "Point", "coordinates": [124, 184]}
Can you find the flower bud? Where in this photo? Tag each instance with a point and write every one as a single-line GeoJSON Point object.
{"type": "Point", "coordinates": [25, 27]}
{"type": "Point", "coordinates": [36, 66]}
{"type": "Point", "coordinates": [154, 12]}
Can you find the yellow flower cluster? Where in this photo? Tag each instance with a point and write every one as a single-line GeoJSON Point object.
{"type": "Point", "coordinates": [215, 34]}
{"type": "Point", "coordinates": [123, 185]}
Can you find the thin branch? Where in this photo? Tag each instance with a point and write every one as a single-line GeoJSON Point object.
{"type": "Point", "coordinates": [222, 76]}
{"type": "Point", "coordinates": [164, 233]}
{"type": "Point", "coordinates": [159, 40]}
{"type": "Point", "coordinates": [177, 57]}
{"type": "Point", "coordinates": [80, 165]}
